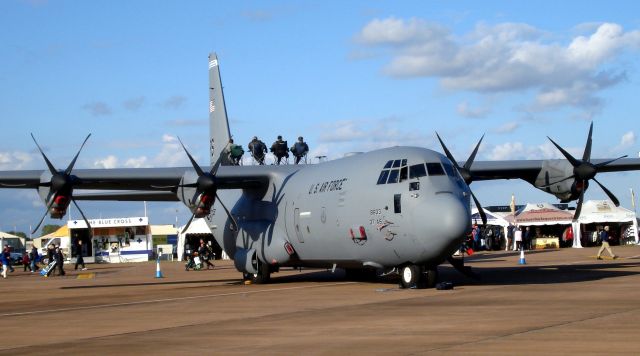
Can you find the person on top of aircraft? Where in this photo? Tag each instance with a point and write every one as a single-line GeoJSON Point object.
{"type": "Point", "coordinates": [235, 153]}
{"type": "Point", "coordinates": [299, 149]}
{"type": "Point", "coordinates": [258, 150]}
{"type": "Point", "coordinates": [279, 149]}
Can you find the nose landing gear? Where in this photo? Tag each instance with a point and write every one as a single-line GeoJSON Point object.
{"type": "Point", "coordinates": [414, 276]}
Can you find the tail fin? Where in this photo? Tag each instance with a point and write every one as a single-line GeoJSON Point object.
{"type": "Point", "coordinates": [218, 122]}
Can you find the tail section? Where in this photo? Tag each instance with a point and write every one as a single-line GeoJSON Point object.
{"type": "Point", "coordinates": [218, 123]}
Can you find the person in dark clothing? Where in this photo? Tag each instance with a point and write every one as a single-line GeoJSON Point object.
{"type": "Point", "coordinates": [50, 252]}
{"type": "Point", "coordinates": [205, 254]}
{"type": "Point", "coordinates": [25, 261]}
{"type": "Point", "coordinates": [33, 257]}
{"type": "Point", "coordinates": [280, 149]}
{"type": "Point", "coordinates": [7, 254]}
{"type": "Point", "coordinates": [258, 150]}
{"type": "Point", "coordinates": [299, 149]}
{"type": "Point", "coordinates": [59, 258]}
{"type": "Point", "coordinates": [79, 257]}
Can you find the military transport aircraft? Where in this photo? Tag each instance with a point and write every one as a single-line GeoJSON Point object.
{"type": "Point", "coordinates": [398, 209]}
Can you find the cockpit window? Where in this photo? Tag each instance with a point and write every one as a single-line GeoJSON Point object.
{"type": "Point", "coordinates": [449, 169]}
{"type": "Point", "coordinates": [417, 170]}
{"type": "Point", "coordinates": [435, 169]}
{"type": "Point", "coordinates": [395, 175]}
{"type": "Point", "coordinates": [403, 172]}
{"type": "Point", "coordinates": [383, 177]}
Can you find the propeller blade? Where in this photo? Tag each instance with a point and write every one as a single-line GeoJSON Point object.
{"type": "Point", "coordinates": [483, 216]}
{"type": "Point", "coordinates": [52, 169]}
{"type": "Point", "coordinates": [574, 162]}
{"type": "Point", "coordinates": [82, 214]}
{"type": "Point", "coordinates": [190, 185]}
{"type": "Point", "coordinates": [188, 224]}
{"type": "Point", "coordinates": [613, 198]}
{"type": "Point", "coordinates": [233, 220]}
{"type": "Point", "coordinates": [469, 162]}
{"type": "Point", "coordinates": [576, 215]}
{"type": "Point", "coordinates": [193, 161]}
{"type": "Point", "coordinates": [602, 164]}
{"type": "Point", "coordinates": [43, 216]}
{"type": "Point", "coordinates": [447, 152]}
{"type": "Point", "coordinates": [73, 162]}
{"type": "Point", "coordinates": [587, 149]}
{"type": "Point", "coordinates": [216, 165]}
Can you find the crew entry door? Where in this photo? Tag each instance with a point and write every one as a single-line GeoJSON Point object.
{"type": "Point", "coordinates": [296, 224]}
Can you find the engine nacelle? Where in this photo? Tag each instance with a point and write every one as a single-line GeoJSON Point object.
{"type": "Point", "coordinates": [556, 171]}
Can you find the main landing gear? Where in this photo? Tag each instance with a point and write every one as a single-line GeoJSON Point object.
{"type": "Point", "coordinates": [262, 277]}
{"type": "Point", "coordinates": [414, 276]}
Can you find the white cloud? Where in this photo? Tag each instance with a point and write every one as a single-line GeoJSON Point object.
{"type": "Point", "coordinates": [626, 141]}
{"type": "Point", "coordinates": [342, 137]}
{"type": "Point", "coordinates": [108, 162]}
{"type": "Point", "coordinates": [508, 127]}
{"type": "Point", "coordinates": [506, 57]}
{"type": "Point", "coordinates": [170, 154]}
{"type": "Point", "coordinates": [518, 150]}
{"type": "Point", "coordinates": [139, 162]}
{"type": "Point", "coordinates": [464, 109]}
{"type": "Point", "coordinates": [15, 160]}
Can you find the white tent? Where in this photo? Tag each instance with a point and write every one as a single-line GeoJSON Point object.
{"type": "Point", "coordinates": [16, 242]}
{"type": "Point", "coordinates": [198, 226]}
{"type": "Point", "coordinates": [543, 214]}
{"type": "Point", "coordinates": [604, 211]}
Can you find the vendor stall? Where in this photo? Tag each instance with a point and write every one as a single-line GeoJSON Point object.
{"type": "Point", "coordinates": [547, 224]}
{"type": "Point", "coordinates": [596, 214]}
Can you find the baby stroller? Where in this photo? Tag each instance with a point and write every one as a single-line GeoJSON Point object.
{"type": "Point", "coordinates": [194, 262]}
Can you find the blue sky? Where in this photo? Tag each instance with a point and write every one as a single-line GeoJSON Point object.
{"type": "Point", "coordinates": [348, 76]}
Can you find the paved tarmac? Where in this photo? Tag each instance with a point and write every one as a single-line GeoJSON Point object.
{"type": "Point", "coordinates": [560, 302]}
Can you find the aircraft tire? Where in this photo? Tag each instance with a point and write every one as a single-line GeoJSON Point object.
{"type": "Point", "coordinates": [430, 277]}
{"type": "Point", "coordinates": [263, 276]}
{"type": "Point", "coordinates": [410, 276]}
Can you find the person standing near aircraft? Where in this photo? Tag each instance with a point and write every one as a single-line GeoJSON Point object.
{"type": "Point", "coordinates": [79, 257]}
{"type": "Point", "coordinates": [33, 257]}
{"type": "Point", "coordinates": [280, 149]}
{"type": "Point", "coordinates": [258, 150]}
{"type": "Point", "coordinates": [205, 254]}
{"type": "Point", "coordinates": [604, 237]}
{"type": "Point", "coordinates": [299, 149]}
{"type": "Point", "coordinates": [5, 265]}
{"type": "Point", "coordinates": [526, 238]}
{"type": "Point", "coordinates": [7, 254]}
{"type": "Point", "coordinates": [518, 238]}
{"type": "Point", "coordinates": [59, 257]}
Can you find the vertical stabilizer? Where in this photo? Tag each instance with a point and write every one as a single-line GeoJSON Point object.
{"type": "Point", "coordinates": [218, 123]}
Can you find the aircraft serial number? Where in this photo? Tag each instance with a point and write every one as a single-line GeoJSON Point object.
{"type": "Point", "coordinates": [327, 186]}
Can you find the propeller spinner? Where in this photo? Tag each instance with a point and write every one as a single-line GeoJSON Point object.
{"type": "Point", "coordinates": [584, 171]}
{"type": "Point", "coordinates": [60, 188]}
{"type": "Point", "coordinates": [206, 191]}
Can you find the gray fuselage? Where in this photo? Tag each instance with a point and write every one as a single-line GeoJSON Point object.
{"type": "Point", "coordinates": [348, 212]}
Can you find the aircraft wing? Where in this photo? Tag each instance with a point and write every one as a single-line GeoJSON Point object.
{"type": "Point", "coordinates": [528, 170]}
{"type": "Point", "coordinates": [137, 184]}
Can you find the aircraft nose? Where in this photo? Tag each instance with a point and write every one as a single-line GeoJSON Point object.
{"type": "Point", "coordinates": [446, 218]}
